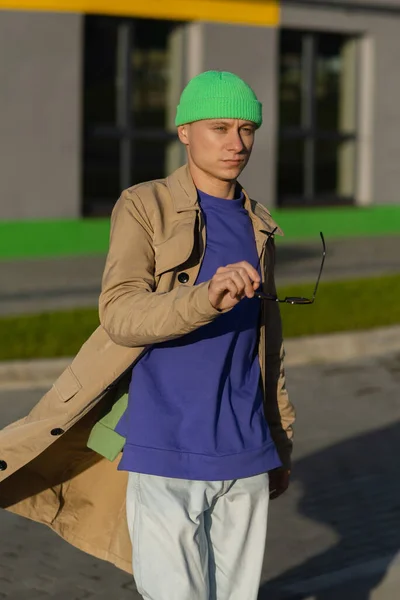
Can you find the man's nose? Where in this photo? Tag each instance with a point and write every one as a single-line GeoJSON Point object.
{"type": "Point", "coordinates": [235, 142]}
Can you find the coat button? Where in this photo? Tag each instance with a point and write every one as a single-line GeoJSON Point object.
{"type": "Point", "coordinates": [3, 465]}
{"type": "Point", "coordinates": [57, 431]}
{"type": "Point", "coordinates": [183, 277]}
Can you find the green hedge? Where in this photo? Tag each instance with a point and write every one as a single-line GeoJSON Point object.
{"type": "Point", "coordinates": [340, 306]}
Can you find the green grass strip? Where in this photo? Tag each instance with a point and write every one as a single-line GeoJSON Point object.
{"type": "Point", "coordinates": [340, 306]}
{"type": "Point", "coordinates": [47, 335]}
{"type": "Point", "coordinates": [344, 306]}
{"type": "Point", "coordinates": [69, 237]}
{"type": "Point", "coordinates": [338, 222]}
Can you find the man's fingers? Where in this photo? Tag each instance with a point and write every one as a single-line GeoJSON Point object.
{"type": "Point", "coordinates": [242, 280]}
{"type": "Point", "coordinates": [232, 288]}
{"type": "Point", "coordinates": [278, 483]}
{"type": "Point", "coordinates": [230, 282]}
{"type": "Point", "coordinates": [243, 267]}
{"type": "Point", "coordinates": [238, 280]}
{"type": "Point", "coordinates": [250, 270]}
{"type": "Point", "coordinates": [275, 492]}
{"type": "Point", "coordinates": [225, 283]}
{"type": "Point", "coordinates": [243, 283]}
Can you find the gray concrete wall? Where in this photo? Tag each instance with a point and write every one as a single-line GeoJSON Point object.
{"type": "Point", "coordinates": [377, 5]}
{"type": "Point", "coordinates": [40, 115]}
{"type": "Point", "coordinates": [251, 53]}
{"type": "Point", "coordinates": [378, 173]}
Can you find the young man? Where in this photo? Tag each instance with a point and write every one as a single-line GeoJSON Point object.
{"type": "Point", "coordinates": [206, 436]}
{"type": "Point", "coordinates": [198, 447]}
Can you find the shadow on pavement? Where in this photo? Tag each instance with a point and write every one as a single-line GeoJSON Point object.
{"type": "Point", "coordinates": [353, 488]}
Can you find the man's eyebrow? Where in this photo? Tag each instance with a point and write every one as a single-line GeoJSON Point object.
{"type": "Point", "coordinates": [229, 124]}
{"type": "Point", "coordinates": [218, 123]}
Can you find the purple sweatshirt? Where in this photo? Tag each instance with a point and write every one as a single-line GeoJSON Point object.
{"type": "Point", "coordinates": [195, 407]}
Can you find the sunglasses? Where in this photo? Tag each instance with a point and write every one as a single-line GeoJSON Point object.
{"type": "Point", "coordinates": [292, 299]}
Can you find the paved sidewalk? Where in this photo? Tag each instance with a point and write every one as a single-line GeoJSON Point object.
{"type": "Point", "coordinates": [334, 536]}
{"type": "Point", "coordinates": [41, 285]}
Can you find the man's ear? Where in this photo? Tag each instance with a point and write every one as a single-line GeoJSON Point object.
{"type": "Point", "coordinates": [183, 134]}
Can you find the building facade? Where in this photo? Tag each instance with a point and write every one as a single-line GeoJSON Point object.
{"type": "Point", "coordinates": [88, 94]}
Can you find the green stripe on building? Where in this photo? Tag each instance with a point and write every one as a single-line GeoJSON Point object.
{"type": "Point", "coordinates": [47, 239]}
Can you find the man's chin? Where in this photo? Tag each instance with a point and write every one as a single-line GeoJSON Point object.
{"type": "Point", "coordinates": [231, 172]}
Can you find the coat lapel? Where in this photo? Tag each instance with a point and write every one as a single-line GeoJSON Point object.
{"type": "Point", "coordinates": [184, 197]}
{"type": "Point", "coordinates": [183, 191]}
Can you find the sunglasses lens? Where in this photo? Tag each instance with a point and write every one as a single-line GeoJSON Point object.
{"type": "Point", "coordinates": [297, 300]}
{"type": "Point", "coordinates": [263, 296]}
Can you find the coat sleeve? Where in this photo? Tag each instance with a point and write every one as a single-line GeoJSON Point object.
{"type": "Point", "coordinates": [279, 410]}
{"type": "Point", "coordinates": [131, 311]}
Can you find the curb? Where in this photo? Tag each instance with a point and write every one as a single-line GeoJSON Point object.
{"type": "Point", "coordinates": [316, 349]}
{"type": "Point", "coordinates": [340, 347]}
{"type": "Point", "coordinates": [32, 374]}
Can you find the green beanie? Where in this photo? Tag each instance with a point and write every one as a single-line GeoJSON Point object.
{"type": "Point", "coordinates": [218, 95]}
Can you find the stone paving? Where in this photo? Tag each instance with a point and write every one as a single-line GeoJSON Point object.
{"type": "Point", "coordinates": [333, 536]}
{"type": "Point", "coordinates": [40, 285]}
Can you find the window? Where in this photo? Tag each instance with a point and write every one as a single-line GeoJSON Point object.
{"type": "Point", "coordinates": [317, 119]}
{"type": "Point", "coordinates": [129, 106]}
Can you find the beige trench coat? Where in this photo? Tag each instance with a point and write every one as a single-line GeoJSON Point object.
{"type": "Point", "coordinates": [47, 473]}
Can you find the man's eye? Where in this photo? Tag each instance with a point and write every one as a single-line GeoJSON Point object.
{"type": "Point", "coordinates": [221, 128]}
{"type": "Point", "coordinates": [248, 130]}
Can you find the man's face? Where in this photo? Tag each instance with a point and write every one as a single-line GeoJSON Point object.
{"type": "Point", "coordinates": [219, 147]}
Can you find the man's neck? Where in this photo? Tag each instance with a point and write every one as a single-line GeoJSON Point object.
{"type": "Point", "coordinates": [212, 186]}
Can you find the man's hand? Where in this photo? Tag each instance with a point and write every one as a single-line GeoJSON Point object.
{"type": "Point", "coordinates": [231, 284]}
{"type": "Point", "coordinates": [278, 482]}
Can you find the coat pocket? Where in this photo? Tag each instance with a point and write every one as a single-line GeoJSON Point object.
{"type": "Point", "coordinates": [67, 385]}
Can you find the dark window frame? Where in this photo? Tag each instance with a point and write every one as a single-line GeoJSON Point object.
{"type": "Point", "coordinates": [124, 130]}
{"type": "Point", "coordinates": [308, 132]}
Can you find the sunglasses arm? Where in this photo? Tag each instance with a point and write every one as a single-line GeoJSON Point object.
{"type": "Point", "coordinates": [321, 267]}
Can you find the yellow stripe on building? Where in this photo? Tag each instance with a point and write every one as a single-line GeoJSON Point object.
{"type": "Point", "coordinates": [253, 12]}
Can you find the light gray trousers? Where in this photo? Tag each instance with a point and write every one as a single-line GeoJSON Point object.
{"type": "Point", "coordinates": [197, 540]}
